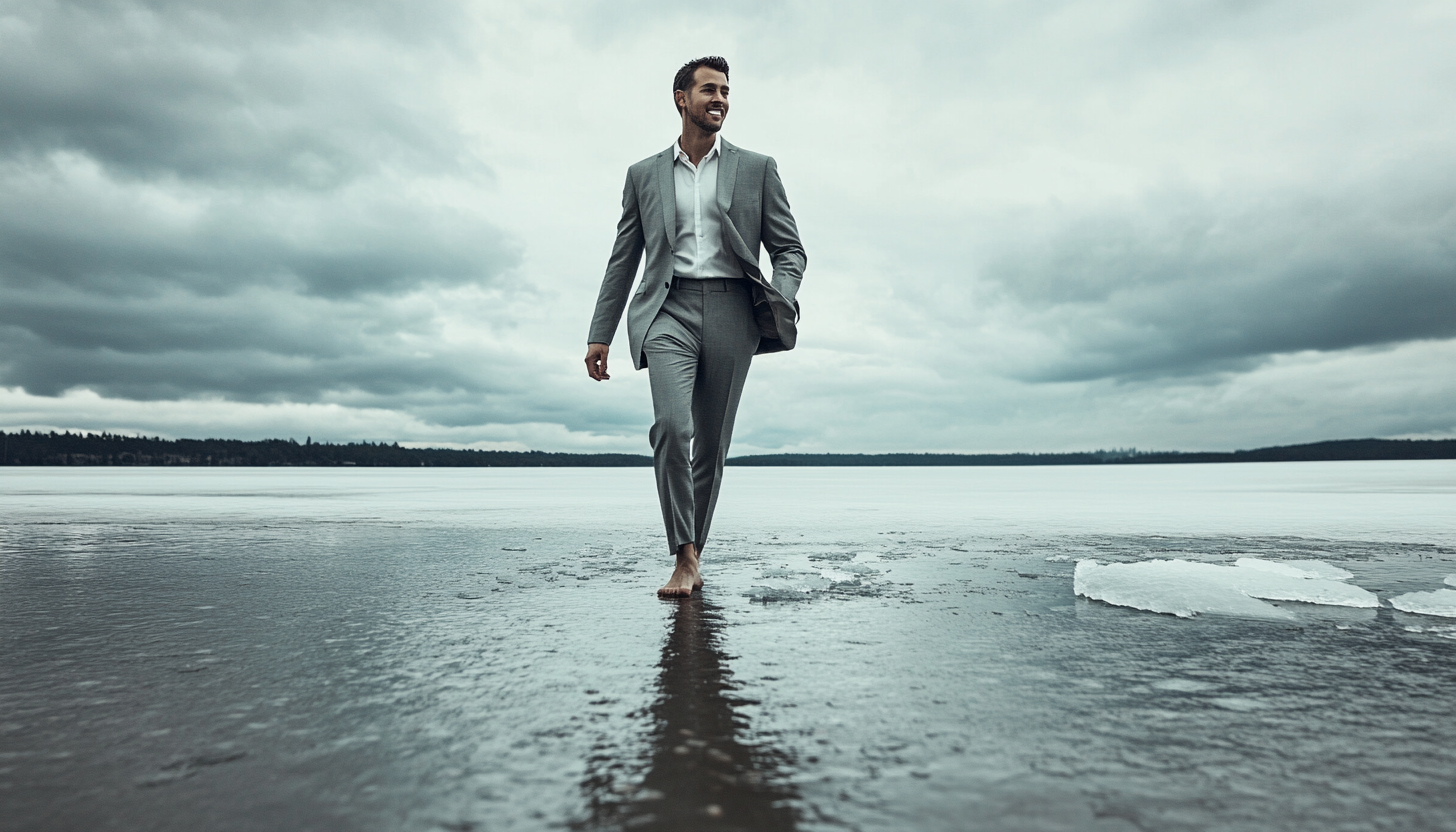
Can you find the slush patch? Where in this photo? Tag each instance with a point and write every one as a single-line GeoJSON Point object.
{"type": "Point", "coordinates": [1443, 630]}
{"type": "Point", "coordinates": [843, 580]}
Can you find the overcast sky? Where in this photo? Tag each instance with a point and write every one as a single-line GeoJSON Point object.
{"type": "Point", "coordinates": [1030, 226]}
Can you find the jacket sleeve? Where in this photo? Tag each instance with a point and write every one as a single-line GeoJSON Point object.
{"type": "Point", "coordinates": [621, 268]}
{"type": "Point", "coordinates": [780, 235]}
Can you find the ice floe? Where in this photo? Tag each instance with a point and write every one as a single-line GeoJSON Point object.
{"type": "Point", "coordinates": [1451, 580]}
{"type": "Point", "coordinates": [1440, 602]}
{"type": "Point", "coordinates": [1186, 588]}
{"type": "Point", "coordinates": [1295, 568]}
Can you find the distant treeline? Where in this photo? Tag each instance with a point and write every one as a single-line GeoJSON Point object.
{"type": "Point", "coordinates": [31, 448]}
{"type": "Point", "coordinates": [1079, 458]}
{"type": "Point", "coordinates": [1342, 449]}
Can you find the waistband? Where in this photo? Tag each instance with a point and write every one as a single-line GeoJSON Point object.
{"type": "Point", "coordinates": [710, 284]}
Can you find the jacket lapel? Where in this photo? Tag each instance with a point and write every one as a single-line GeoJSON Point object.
{"type": "Point", "coordinates": [727, 175]}
{"type": "Point", "coordinates": [667, 194]}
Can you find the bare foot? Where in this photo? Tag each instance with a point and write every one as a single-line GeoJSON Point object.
{"type": "Point", "coordinates": [685, 576]}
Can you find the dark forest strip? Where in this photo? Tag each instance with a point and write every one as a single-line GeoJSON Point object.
{"type": "Point", "coordinates": [34, 448]}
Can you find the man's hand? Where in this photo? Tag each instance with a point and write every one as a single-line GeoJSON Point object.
{"type": "Point", "coordinates": [596, 361]}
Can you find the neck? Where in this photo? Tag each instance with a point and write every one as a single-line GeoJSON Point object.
{"type": "Point", "coordinates": [695, 141]}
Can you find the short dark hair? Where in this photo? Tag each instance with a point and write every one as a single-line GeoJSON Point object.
{"type": "Point", "coordinates": [684, 77]}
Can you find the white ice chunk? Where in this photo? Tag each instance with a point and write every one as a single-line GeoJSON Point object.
{"type": "Point", "coordinates": [1184, 588]}
{"type": "Point", "coordinates": [1178, 587]}
{"type": "Point", "coordinates": [1296, 568]}
{"type": "Point", "coordinates": [1440, 602]}
{"type": "Point", "coordinates": [1451, 580]}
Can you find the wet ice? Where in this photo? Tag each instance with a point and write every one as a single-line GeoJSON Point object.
{"type": "Point", "coordinates": [874, 650]}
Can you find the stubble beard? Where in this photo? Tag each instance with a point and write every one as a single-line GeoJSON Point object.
{"type": "Point", "coordinates": [702, 122]}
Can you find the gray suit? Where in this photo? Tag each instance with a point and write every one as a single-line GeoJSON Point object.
{"type": "Point", "coordinates": [697, 339]}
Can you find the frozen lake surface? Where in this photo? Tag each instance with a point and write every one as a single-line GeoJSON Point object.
{"type": "Point", "coordinates": [875, 649]}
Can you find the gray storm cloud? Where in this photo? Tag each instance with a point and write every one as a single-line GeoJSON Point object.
{"type": "Point", "coordinates": [1032, 227]}
{"type": "Point", "coordinates": [297, 94]}
{"type": "Point", "coordinates": [1183, 284]}
{"type": "Point", "coordinates": [221, 199]}
{"type": "Point", "coordinates": [1137, 191]}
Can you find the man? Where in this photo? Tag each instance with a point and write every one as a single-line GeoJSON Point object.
{"type": "Point", "coordinates": [700, 210]}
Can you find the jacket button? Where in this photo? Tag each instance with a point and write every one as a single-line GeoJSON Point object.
{"type": "Point", "coordinates": [667, 285]}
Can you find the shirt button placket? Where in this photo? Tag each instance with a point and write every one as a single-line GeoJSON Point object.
{"type": "Point", "coordinates": [698, 217]}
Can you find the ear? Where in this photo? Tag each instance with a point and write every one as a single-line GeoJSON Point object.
{"type": "Point", "coordinates": [681, 97]}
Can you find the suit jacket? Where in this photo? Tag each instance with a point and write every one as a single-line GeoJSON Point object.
{"type": "Point", "coordinates": [755, 213]}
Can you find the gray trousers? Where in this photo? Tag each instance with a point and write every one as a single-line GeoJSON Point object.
{"type": "Point", "coordinates": [698, 351]}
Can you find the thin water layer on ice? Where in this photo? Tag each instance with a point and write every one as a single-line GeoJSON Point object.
{"type": "Point", "coordinates": [874, 650]}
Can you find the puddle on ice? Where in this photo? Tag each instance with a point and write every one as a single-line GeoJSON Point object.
{"type": "Point", "coordinates": [1186, 588]}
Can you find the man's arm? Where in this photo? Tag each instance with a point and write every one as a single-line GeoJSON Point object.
{"type": "Point", "coordinates": [780, 235]}
{"type": "Point", "coordinates": [616, 284]}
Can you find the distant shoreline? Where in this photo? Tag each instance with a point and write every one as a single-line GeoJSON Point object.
{"type": "Point", "coordinates": [27, 448]}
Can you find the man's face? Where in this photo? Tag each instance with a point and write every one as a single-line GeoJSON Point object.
{"type": "Point", "coordinates": [705, 103]}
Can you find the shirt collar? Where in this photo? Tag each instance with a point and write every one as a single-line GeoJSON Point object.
{"type": "Point", "coordinates": [680, 155]}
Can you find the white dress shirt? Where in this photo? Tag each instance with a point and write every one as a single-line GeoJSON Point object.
{"type": "Point", "coordinates": [699, 250]}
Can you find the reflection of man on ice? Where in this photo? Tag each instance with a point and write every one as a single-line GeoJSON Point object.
{"type": "Point", "coordinates": [700, 210]}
